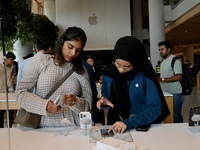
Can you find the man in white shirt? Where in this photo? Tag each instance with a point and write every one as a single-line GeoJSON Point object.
{"type": "Point", "coordinates": [170, 78]}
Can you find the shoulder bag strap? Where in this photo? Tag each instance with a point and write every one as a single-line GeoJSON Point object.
{"type": "Point", "coordinates": [59, 83]}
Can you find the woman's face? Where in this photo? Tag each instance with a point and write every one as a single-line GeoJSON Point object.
{"type": "Point", "coordinates": [71, 49]}
{"type": "Point", "coordinates": [90, 61]}
{"type": "Point", "coordinates": [123, 66]}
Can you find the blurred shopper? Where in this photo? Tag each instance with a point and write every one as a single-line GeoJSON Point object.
{"type": "Point", "coordinates": [11, 77]}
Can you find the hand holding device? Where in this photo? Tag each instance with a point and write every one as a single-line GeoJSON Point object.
{"type": "Point", "coordinates": [64, 100]}
{"type": "Point", "coordinates": [104, 102]}
{"type": "Point", "coordinates": [69, 99]}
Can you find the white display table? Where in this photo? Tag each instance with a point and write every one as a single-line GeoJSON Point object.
{"type": "Point", "coordinates": [159, 137]}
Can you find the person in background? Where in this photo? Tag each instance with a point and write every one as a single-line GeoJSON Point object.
{"type": "Point", "coordinates": [170, 78]}
{"type": "Point", "coordinates": [188, 64]}
{"type": "Point", "coordinates": [16, 67]}
{"type": "Point", "coordinates": [131, 88]}
{"type": "Point", "coordinates": [11, 76]}
{"type": "Point", "coordinates": [46, 69]}
{"type": "Point", "coordinates": [42, 46]}
{"type": "Point", "coordinates": [97, 116]}
{"type": "Point", "coordinates": [97, 70]}
{"type": "Point", "coordinates": [23, 65]}
{"type": "Point", "coordinates": [28, 56]}
{"type": "Point", "coordinates": [194, 70]}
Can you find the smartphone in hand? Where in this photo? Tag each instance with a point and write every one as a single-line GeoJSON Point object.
{"type": "Point", "coordinates": [59, 100]}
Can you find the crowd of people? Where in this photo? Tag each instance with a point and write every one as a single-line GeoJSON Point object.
{"type": "Point", "coordinates": [130, 85]}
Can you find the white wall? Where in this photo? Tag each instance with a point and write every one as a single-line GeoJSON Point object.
{"type": "Point", "coordinates": [183, 7]}
{"type": "Point", "coordinates": [113, 18]}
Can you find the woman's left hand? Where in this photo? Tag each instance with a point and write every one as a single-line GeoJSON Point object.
{"type": "Point", "coordinates": [52, 108]}
{"type": "Point", "coordinates": [118, 127]}
{"type": "Point", "coordinates": [69, 99]}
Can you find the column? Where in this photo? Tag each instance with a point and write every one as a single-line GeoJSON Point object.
{"type": "Point", "coordinates": [156, 29]}
{"type": "Point", "coordinates": [49, 10]}
{"type": "Point", "coordinates": [22, 50]}
{"type": "Point", "coordinates": [137, 19]}
{"type": "Point", "coordinates": [188, 54]}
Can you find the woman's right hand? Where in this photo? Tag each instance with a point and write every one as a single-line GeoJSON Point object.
{"type": "Point", "coordinates": [104, 101]}
{"type": "Point", "coordinates": [52, 108]}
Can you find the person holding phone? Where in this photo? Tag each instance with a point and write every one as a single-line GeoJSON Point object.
{"type": "Point", "coordinates": [45, 70]}
{"type": "Point", "coordinates": [131, 88]}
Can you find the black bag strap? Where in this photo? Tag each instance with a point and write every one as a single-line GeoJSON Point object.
{"type": "Point", "coordinates": [59, 83]}
{"type": "Point", "coordinates": [172, 62]}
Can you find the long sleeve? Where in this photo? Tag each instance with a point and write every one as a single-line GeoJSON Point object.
{"type": "Point", "coordinates": [42, 74]}
{"type": "Point", "coordinates": [144, 100]}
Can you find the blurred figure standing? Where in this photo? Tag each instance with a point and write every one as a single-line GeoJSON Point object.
{"type": "Point", "coordinates": [11, 76]}
{"type": "Point", "coordinates": [170, 78]}
{"type": "Point", "coordinates": [97, 70]}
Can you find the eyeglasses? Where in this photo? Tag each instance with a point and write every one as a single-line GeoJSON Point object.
{"type": "Point", "coordinates": [127, 68]}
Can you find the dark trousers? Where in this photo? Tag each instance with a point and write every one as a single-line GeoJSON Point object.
{"type": "Point", "coordinates": [11, 119]}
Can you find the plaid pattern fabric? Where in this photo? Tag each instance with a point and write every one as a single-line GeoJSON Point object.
{"type": "Point", "coordinates": [42, 74]}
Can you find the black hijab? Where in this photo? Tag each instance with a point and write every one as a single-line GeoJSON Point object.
{"type": "Point", "coordinates": [130, 49]}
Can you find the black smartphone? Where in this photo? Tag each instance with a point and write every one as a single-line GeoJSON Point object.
{"type": "Point", "coordinates": [105, 107]}
{"type": "Point", "coordinates": [144, 128]}
{"type": "Point", "coordinates": [105, 133]}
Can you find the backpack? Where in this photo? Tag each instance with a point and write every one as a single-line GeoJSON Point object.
{"type": "Point", "coordinates": [186, 81]}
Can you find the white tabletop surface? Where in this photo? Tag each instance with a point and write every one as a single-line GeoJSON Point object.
{"type": "Point", "coordinates": [167, 94]}
{"type": "Point", "coordinates": [159, 137]}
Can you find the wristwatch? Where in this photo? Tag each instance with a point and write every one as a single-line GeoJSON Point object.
{"type": "Point", "coordinates": [163, 79]}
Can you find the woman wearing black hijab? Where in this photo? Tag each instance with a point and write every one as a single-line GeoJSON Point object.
{"type": "Point", "coordinates": [131, 88]}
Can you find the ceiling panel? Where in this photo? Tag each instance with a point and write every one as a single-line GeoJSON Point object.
{"type": "Point", "coordinates": [185, 34]}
